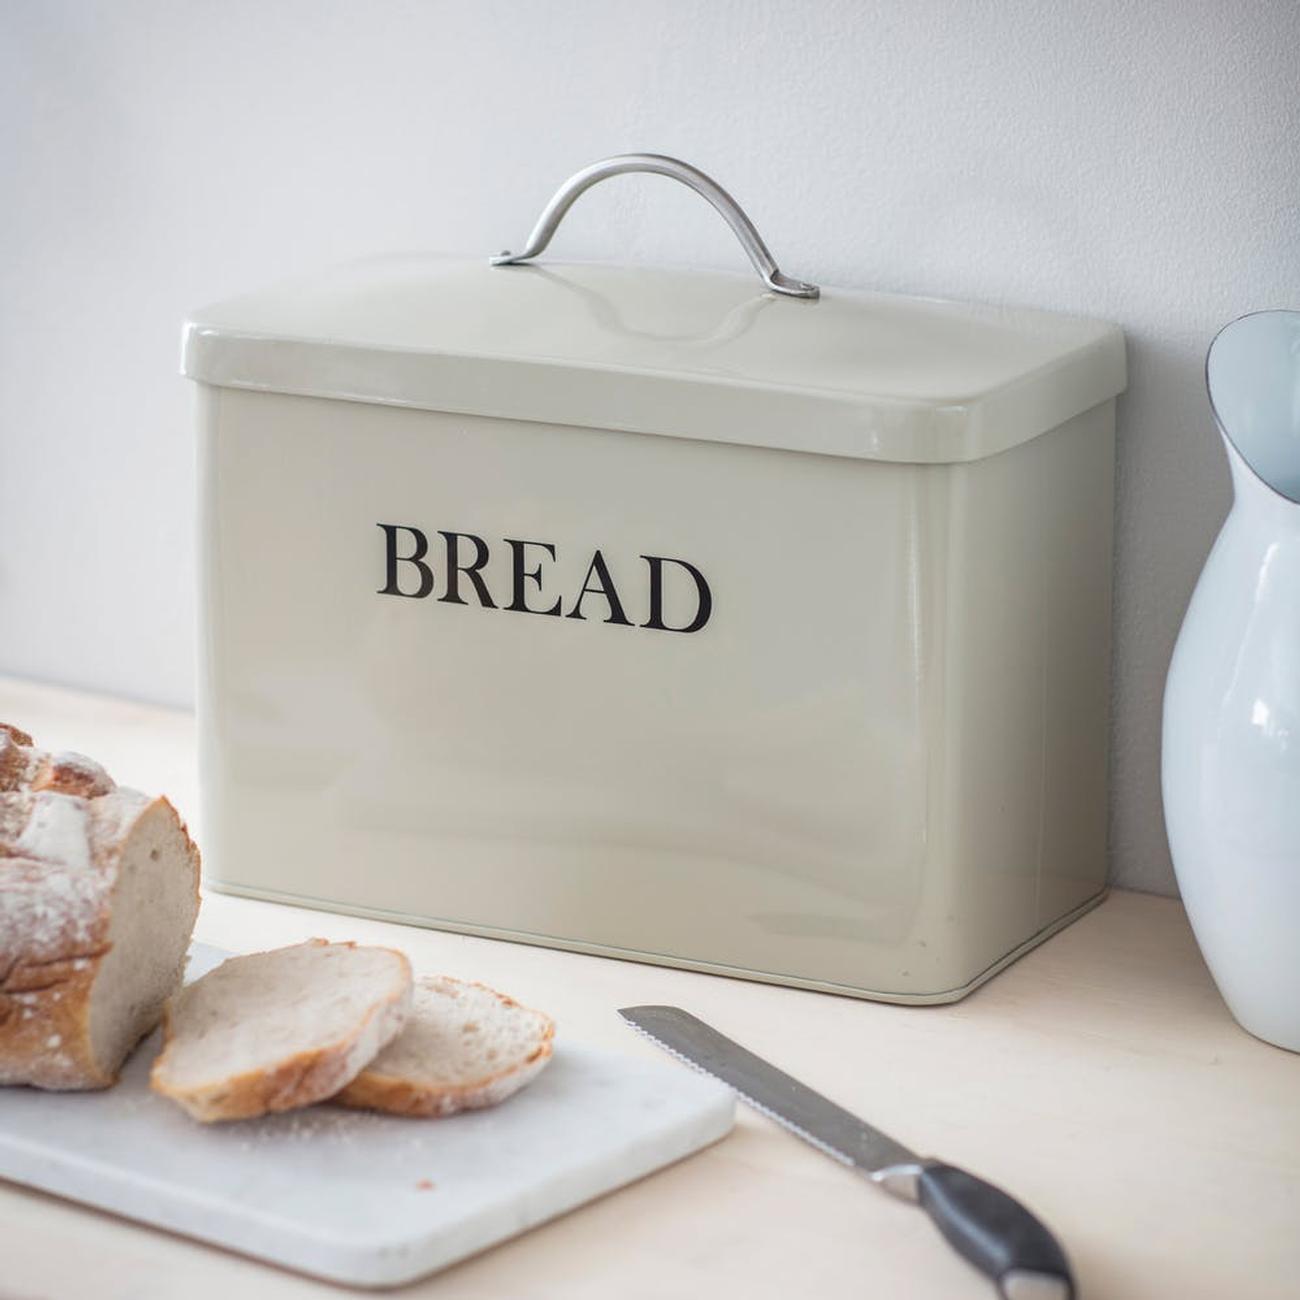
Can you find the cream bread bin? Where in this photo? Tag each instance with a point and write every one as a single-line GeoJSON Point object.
{"type": "Point", "coordinates": [659, 614]}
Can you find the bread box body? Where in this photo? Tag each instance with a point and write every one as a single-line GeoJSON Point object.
{"type": "Point", "coordinates": [648, 614]}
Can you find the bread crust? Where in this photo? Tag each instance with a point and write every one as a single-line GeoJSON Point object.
{"type": "Point", "coordinates": [55, 909]}
{"type": "Point", "coordinates": [300, 1080]}
{"type": "Point", "coordinates": [400, 1095]}
{"type": "Point", "coordinates": [15, 753]}
{"type": "Point", "coordinates": [25, 766]}
{"type": "Point", "coordinates": [45, 1020]}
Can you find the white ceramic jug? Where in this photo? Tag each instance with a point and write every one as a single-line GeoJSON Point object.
{"type": "Point", "coordinates": [1231, 755]}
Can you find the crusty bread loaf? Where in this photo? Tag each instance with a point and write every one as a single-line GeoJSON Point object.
{"type": "Point", "coordinates": [273, 1031]}
{"type": "Point", "coordinates": [463, 1048]}
{"type": "Point", "coordinates": [98, 896]}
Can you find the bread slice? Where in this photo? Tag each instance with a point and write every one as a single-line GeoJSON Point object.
{"type": "Point", "coordinates": [464, 1047]}
{"type": "Point", "coordinates": [276, 1030]}
{"type": "Point", "coordinates": [98, 898]}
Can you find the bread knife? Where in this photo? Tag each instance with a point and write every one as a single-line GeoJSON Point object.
{"type": "Point", "coordinates": [989, 1228]}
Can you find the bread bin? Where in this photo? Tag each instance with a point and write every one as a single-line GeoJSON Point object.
{"type": "Point", "coordinates": [666, 615]}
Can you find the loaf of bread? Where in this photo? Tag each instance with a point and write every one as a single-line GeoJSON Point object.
{"type": "Point", "coordinates": [273, 1031]}
{"type": "Point", "coordinates": [98, 897]}
{"type": "Point", "coordinates": [464, 1047]}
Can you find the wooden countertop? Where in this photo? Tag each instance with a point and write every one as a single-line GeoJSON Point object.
{"type": "Point", "coordinates": [1100, 1079]}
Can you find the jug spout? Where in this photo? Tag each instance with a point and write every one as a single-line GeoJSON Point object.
{"type": "Point", "coordinates": [1252, 372]}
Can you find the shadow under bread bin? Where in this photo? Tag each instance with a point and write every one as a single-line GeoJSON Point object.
{"type": "Point", "coordinates": [659, 614]}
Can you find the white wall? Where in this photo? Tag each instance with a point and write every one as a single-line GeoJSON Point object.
{"type": "Point", "coordinates": [1136, 161]}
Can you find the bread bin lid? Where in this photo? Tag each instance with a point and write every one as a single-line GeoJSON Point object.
{"type": "Point", "coordinates": [685, 354]}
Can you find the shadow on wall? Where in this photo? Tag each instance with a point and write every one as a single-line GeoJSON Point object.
{"type": "Point", "coordinates": [1172, 495]}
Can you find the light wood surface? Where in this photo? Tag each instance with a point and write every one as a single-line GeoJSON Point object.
{"type": "Point", "coordinates": [1100, 1079]}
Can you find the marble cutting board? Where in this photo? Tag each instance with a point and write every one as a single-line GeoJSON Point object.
{"type": "Point", "coordinates": [364, 1199]}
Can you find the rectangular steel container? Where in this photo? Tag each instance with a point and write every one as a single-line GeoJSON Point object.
{"type": "Point", "coordinates": [648, 614]}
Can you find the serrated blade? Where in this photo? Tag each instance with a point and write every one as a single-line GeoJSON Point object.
{"type": "Point", "coordinates": [830, 1128]}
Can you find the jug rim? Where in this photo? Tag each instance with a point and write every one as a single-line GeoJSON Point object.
{"type": "Point", "coordinates": [1214, 409]}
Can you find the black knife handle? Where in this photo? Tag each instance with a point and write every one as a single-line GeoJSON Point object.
{"type": "Point", "coordinates": [996, 1234]}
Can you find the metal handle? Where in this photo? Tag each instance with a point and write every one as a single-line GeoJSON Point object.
{"type": "Point", "coordinates": [730, 211]}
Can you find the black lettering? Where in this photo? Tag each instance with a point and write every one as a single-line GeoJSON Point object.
{"type": "Point", "coordinates": [390, 587]}
{"type": "Point", "coordinates": [455, 568]}
{"type": "Point", "coordinates": [703, 610]}
{"type": "Point", "coordinates": [519, 558]}
{"type": "Point", "coordinates": [606, 589]}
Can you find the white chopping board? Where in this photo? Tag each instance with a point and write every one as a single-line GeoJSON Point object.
{"type": "Point", "coordinates": [365, 1199]}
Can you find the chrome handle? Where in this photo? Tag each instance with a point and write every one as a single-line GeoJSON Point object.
{"type": "Point", "coordinates": [727, 207]}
